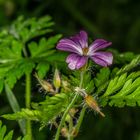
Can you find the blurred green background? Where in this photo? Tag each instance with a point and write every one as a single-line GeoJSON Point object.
{"type": "Point", "coordinates": [115, 20]}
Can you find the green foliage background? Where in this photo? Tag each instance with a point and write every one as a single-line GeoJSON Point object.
{"type": "Point", "coordinates": [117, 21]}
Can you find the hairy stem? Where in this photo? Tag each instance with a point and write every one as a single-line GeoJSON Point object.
{"type": "Point", "coordinates": [82, 113]}
{"type": "Point", "coordinates": [70, 124]}
{"type": "Point", "coordinates": [80, 120]}
{"type": "Point", "coordinates": [64, 116]}
{"type": "Point", "coordinates": [81, 78]}
{"type": "Point", "coordinates": [68, 108]}
{"type": "Point", "coordinates": [70, 137]}
{"type": "Point", "coordinates": [27, 102]}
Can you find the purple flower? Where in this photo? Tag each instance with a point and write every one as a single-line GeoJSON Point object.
{"type": "Point", "coordinates": [81, 52]}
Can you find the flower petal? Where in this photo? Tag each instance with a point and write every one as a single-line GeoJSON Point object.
{"type": "Point", "coordinates": [103, 58]}
{"type": "Point", "coordinates": [97, 45]}
{"type": "Point", "coordinates": [75, 61]}
{"type": "Point", "coordinates": [80, 39]}
{"type": "Point", "coordinates": [69, 46]}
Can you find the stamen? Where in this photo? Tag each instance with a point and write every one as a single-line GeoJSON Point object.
{"type": "Point", "coordinates": [85, 51]}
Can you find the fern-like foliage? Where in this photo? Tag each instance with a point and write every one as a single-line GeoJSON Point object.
{"type": "Point", "coordinates": [121, 86]}
{"type": "Point", "coordinates": [19, 54]}
{"type": "Point", "coordinates": [101, 79]}
{"type": "Point", "coordinates": [133, 64]}
{"type": "Point", "coordinates": [45, 111]}
{"type": "Point", "coordinates": [54, 106]}
{"type": "Point", "coordinates": [28, 29]}
{"type": "Point", "coordinates": [117, 87]}
{"type": "Point", "coordinates": [123, 90]}
{"type": "Point", "coordinates": [4, 135]}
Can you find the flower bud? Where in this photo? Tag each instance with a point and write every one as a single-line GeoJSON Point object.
{"type": "Point", "coordinates": [45, 84]}
{"type": "Point", "coordinates": [64, 132]}
{"type": "Point", "coordinates": [66, 85]}
{"type": "Point", "coordinates": [56, 80]}
{"type": "Point", "coordinates": [91, 102]}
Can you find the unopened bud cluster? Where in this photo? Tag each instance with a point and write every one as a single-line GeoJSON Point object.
{"type": "Point", "coordinates": [55, 86]}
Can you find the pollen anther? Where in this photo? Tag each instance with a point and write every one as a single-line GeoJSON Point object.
{"type": "Point", "coordinates": [85, 51]}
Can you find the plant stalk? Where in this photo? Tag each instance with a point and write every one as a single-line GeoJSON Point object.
{"type": "Point", "coordinates": [82, 113]}
{"type": "Point", "coordinates": [27, 102]}
{"type": "Point", "coordinates": [81, 78]}
{"type": "Point", "coordinates": [70, 137]}
{"type": "Point", "coordinates": [64, 116]}
{"type": "Point", "coordinates": [80, 120]}
{"type": "Point", "coordinates": [68, 108]}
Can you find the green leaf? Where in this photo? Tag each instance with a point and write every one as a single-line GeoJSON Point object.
{"type": "Point", "coordinates": [134, 63]}
{"type": "Point", "coordinates": [19, 56]}
{"type": "Point", "coordinates": [44, 47]}
{"type": "Point", "coordinates": [2, 132]}
{"type": "Point", "coordinates": [26, 137]}
{"type": "Point", "coordinates": [14, 105]}
{"type": "Point", "coordinates": [45, 111]}
{"type": "Point", "coordinates": [23, 114]}
{"type": "Point", "coordinates": [30, 28]}
{"type": "Point", "coordinates": [123, 87]}
{"type": "Point", "coordinates": [42, 69]}
{"type": "Point", "coordinates": [123, 90]}
{"type": "Point", "coordinates": [101, 80]}
{"type": "Point", "coordinates": [9, 136]}
{"type": "Point", "coordinates": [1, 85]}
{"type": "Point", "coordinates": [19, 69]}
{"type": "Point", "coordinates": [3, 135]}
{"type": "Point", "coordinates": [105, 79]}
{"type": "Point", "coordinates": [102, 76]}
{"type": "Point", "coordinates": [54, 106]}
{"type": "Point", "coordinates": [88, 83]}
{"type": "Point", "coordinates": [115, 84]}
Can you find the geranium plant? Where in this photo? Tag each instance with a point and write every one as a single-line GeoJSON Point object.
{"type": "Point", "coordinates": [87, 78]}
